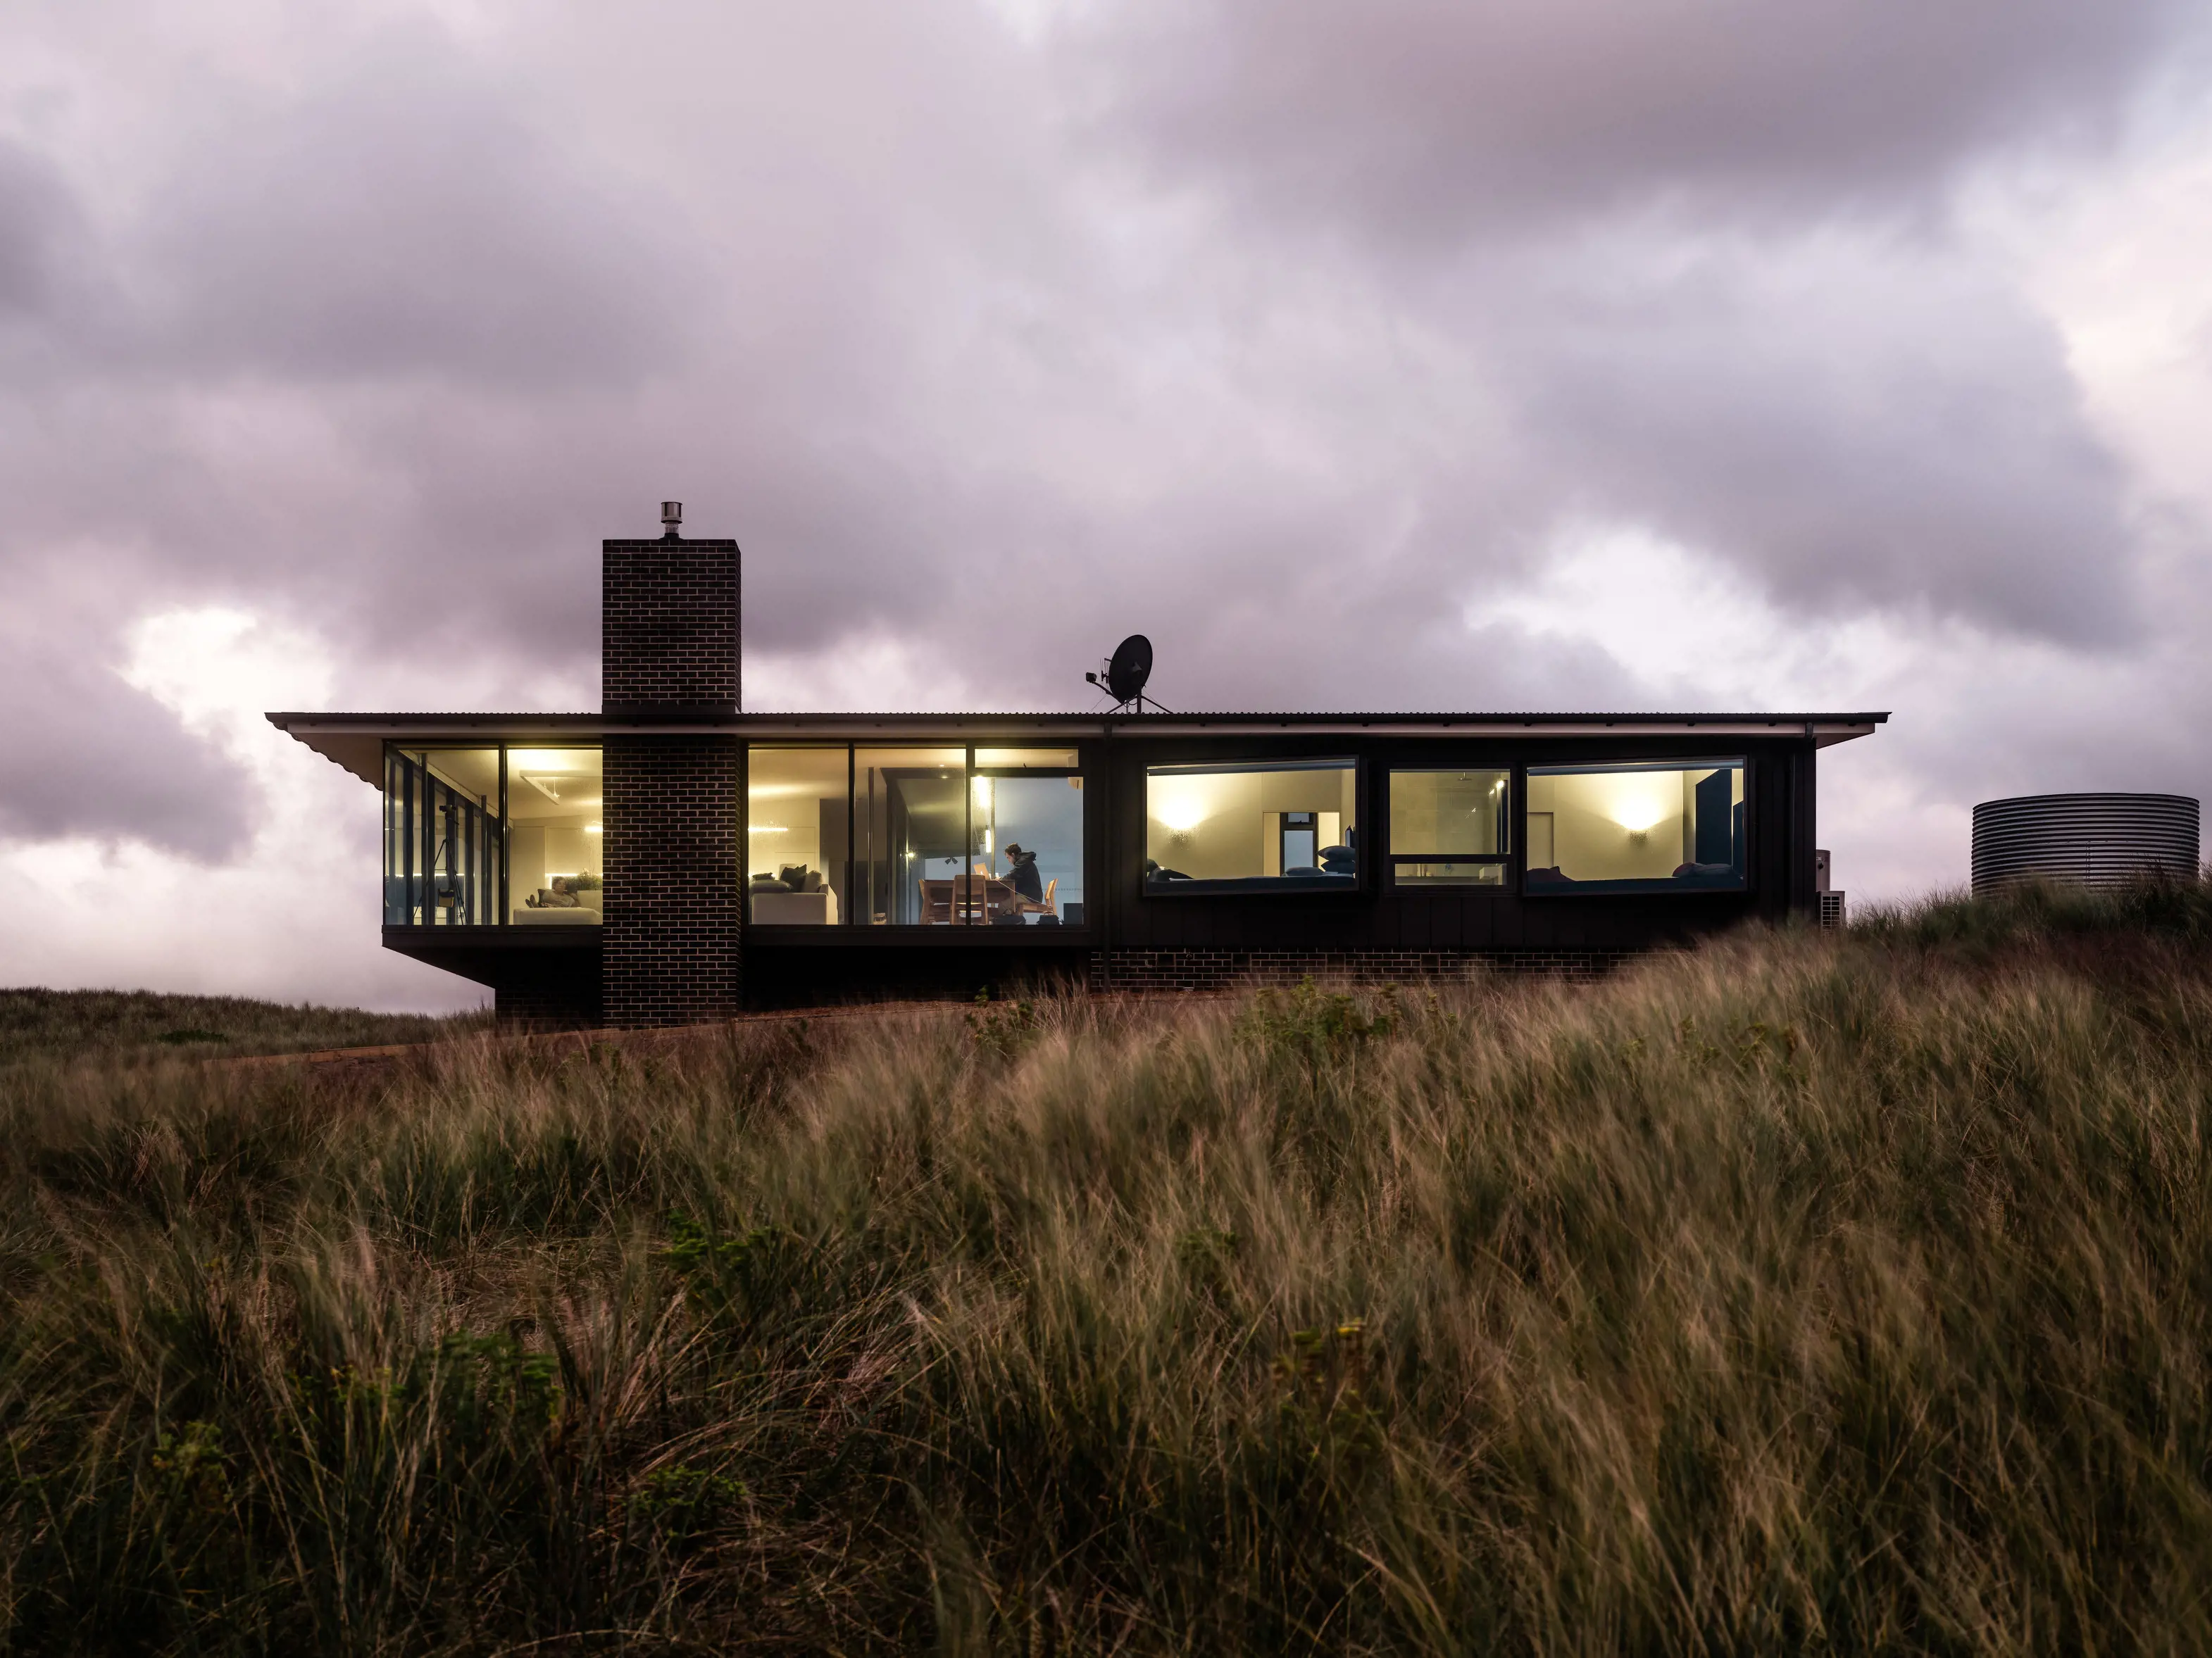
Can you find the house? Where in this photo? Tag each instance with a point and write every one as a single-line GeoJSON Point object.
{"type": "Point", "coordinates": [672, 859]}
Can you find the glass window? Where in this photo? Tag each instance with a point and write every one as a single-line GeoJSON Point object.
{"type": "Point", "coordinates": [1028, 831]}
{"type": "Point", "coordinates": [1259, 825]}
{"type": "Point", "coordinates": [553, 833]}
{"type": "Point", "coordinates": [1641, 826]}
{"type": "Point", "coordinates": [1447, 828]}
{"type": "Point", "coordinates": [1035, 759]}
{"type": "Point", "coordinates": [910, 837]}
{"type": "Point", "coordinates": [444, 842]}
{"type": "Point", "coordinates": [797, 829]}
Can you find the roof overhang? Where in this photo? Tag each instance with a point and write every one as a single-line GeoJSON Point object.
{"type": "Point", "coordinates": [356, 741]}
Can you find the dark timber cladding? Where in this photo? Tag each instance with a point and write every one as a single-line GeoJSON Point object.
{"type": "Point", "coordinates": [674, 804]}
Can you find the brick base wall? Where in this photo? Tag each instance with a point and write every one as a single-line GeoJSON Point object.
{"type": "Point", "coordinates": [1233, 968]}
{"type": "Point", "coordinates": [1222, 969]}
{"type": "Point", "coordinates": [675, 913]}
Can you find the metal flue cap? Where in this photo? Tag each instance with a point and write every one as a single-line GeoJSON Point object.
{"type": "Point", "coordinates": [672, 517]}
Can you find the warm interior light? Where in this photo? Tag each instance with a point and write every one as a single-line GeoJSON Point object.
{"type": "Point", "coordinates": [1179, 805]}
{"type": "Point", "coordinates": [766, 829]}
{"type": "Point", "coordinates": [982, 790]}
{"type": "Point", "coordinates": [1639, 802]}
{"type": "Point", "coordinates": [592, 828]}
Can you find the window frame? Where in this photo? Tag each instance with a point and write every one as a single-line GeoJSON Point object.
{"type": "Point", "coordinates": [1263, 887]}
{"type": "Point", "coordinates": [1656, 887]}
{"type": "Point", "coordinates": [1508, 862]}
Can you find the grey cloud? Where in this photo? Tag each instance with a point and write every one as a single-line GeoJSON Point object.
{"type": "Point", "coordinates": [1851, 425]}
{"type": "Point", "coordinates": [88, 754]}
{"type": "Point", "coordinates": [1428, 119]}
{"type": "Point", "coordinates": [408, 219]}
{"type": "Point", "coordinates": [38, 218]}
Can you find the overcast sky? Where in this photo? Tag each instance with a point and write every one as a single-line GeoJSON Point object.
{"type": "Point", "coordinates": [1414, 354]}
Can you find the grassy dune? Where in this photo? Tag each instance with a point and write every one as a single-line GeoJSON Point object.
{"type": "Point", "coordinates": [121, 1024]}
{"type": "Point", "coordinates": [1802, 1294]}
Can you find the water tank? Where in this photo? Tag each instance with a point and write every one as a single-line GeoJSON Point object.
{"type": "Point", "coordinates": [2091, 840]}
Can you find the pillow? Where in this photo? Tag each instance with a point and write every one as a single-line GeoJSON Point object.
{"type": "Point", "coordinates": [1332, 855]}
{"type": "Point", "coordinates": [812, 883]}
{"type": "Point", "coordinates": [790, 875]}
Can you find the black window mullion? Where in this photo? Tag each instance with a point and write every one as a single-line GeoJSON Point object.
{"type": "Point", "coordinates": [408, 848]}
{"type": "Point", "coordinates": [502, 918]}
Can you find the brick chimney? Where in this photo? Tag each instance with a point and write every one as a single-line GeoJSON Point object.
{"type": "Point", "coordinates": [670, 648]}
{"type": "Point", "coordinates": [670, 612]}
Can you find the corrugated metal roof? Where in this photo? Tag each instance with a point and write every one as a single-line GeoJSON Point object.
{"type": "Point", "coordinates": [1107, 715]}
{"type": "Point", "coordinates": [355, 741]}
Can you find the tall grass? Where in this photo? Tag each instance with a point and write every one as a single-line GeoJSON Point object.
{"type": "Point", "coordinates": [1799, 1294]}
{"type": "Point", "coordinates": [119, 1024]}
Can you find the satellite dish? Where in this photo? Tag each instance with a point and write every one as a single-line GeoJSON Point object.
{"type": "Point", "coordinates": [1130, 667]}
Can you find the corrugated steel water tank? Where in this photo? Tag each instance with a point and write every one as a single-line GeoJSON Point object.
{"type": "Point", "coordinates": [2090, 839]}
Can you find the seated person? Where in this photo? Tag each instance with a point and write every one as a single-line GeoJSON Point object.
{"type": "Point", "coordinates": [561, 896]}
{"type": "Point", "coordinates": [1022, 873]}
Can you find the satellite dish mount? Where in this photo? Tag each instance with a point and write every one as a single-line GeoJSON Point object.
{"type": "Point", "coordinates": [1122, 675]}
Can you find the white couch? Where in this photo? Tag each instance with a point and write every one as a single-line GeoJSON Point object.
{"type": "Point", "coordinates": [795, 908]}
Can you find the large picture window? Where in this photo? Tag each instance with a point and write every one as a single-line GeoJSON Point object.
{"type": "Point", "coordinates": [1252, 826]}
{"type": "Point", "coordinates": [444, 837]}
{"type": "Point", "coordinates": [491, 836]}
{"type": "Point", "coordinates": [919, 836]}
{"type": "Point", "coordinates": [1636, 826]}
{"type": "Point", "coordinates": [798, 830]}
{"type": "Point", "coordinates": [554, 801]}
{"type": "Point", "coordinates": [1448, 826]}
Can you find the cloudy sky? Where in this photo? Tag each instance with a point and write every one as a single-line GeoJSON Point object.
{"type": "Point", "coordinates": [1443, 353]}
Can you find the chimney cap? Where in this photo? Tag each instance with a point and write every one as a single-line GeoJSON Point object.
{"type": "Point", "coordinates": [671, 518]}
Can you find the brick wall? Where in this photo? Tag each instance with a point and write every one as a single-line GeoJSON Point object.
{"type": "Point", "coordinates": [675, 914]}
{"type": "Point", "coordinates": [669, 620]}
{"type": "Point", "coordinates": [1220, 969]}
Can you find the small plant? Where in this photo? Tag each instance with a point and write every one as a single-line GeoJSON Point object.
{"type": "Point", "coordinates": [1003, 1029]}
{"type": "Point", "coordinates": [681, 1503]}
{"type": "Point", "coordinates": [1319, 1026]}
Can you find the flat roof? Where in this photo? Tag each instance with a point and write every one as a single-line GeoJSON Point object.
{"type": "Point", "coordinates": [356, 741]}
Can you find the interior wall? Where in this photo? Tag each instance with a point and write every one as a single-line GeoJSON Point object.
{"type": "Point", "coordinates": [526, 865]}
{"type": "Point", "coordinates": [1613, 826]}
